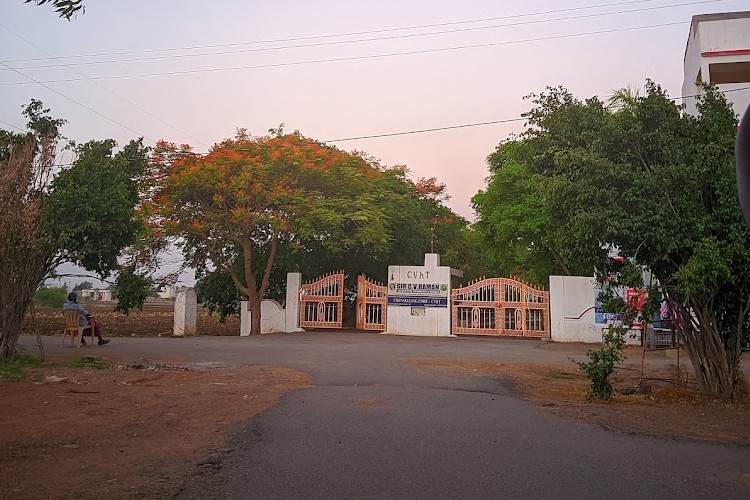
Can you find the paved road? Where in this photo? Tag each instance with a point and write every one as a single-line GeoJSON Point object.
{"type": "Point", "coordinates": [373, 426]}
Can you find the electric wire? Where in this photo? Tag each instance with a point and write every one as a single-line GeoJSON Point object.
{"type": "Point", "coordinates": [353, 58]}
{"type": "Point", "coordinates": [139, 108]}
{"type": "Point", "coordinates": [346, 34]}
{"type": "Point", "coordinates": [43, 84]}
{"type": "Point", "coordinates": [13, 126]}
{"type": "Point", "coordinates": [480, 124]}
{"type": "Point", "coordinates": [346, 42]}
{"type": "Point", "coordinates": [450, 127]}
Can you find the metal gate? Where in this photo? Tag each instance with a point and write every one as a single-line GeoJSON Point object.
{"type": "Point", "coordinates": [500, 306]}
{"type": "Point", "coordinates": [322, 302]}
{"type": "Point", "coordinates": [371, 304]}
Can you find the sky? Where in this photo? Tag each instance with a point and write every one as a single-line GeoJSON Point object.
{"type": "Point", "coordinates": [195, 71]}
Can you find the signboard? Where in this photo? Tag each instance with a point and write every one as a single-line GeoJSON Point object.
{"type": "Point", "coordinates": [411, 301]}
{"type": "Point", "coordinates": [416, 287]}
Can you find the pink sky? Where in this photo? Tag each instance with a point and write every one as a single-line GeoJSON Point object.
{"type": "Point", "coordinates": [333, 100]}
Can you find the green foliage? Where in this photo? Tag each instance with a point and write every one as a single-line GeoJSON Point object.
{"type": "Point", "coordinates": [83, 285]}
{"type": "Point", "coordinates": [53, 296]}
{"type": "Point", "coordinates": [257, 208]}
{"type": "Point", "coordinates": [132, 290]}
{"type": "Point", "coordinates": [15, 369]}
{"type": "Point", "coordinates": [64, 8]}
{"type": "Point", "coordinates": [90, 212]}
{"type": "Point", "coordinates": [217, 292]}
{"type": "Point", "coordinates": [641, 177]}
{"type": "Point", "coordinates": [90, 363]}
{"type": "Point", "coordinates": [602, 363]}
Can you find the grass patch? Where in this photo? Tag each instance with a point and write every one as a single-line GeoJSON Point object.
{"type": "Point", "coordinates": [560, 376]}
{"type": "Point", "coordinates": [16, 369]}
{"type": "Point", "coordinates": [24, 366]}
{"type": "Point", "coordinates": [89, 362]}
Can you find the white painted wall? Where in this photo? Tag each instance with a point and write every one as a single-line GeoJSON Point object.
{"type": "Point", "coordinates": [712, 36]}
{"type": "Point", "coordinates": [417, 320]}
{"type": "Point", "coordinates": [272, 318]}
{"type": "Point", "coordinates": [293, 286]}
{"type": "Point", "coordinates": [185, 312]}
{"type": "Point", "coordinates": [572, 311]}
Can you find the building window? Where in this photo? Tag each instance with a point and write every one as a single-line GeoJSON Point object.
{"type": "Point", "coordinates": [735, 72]}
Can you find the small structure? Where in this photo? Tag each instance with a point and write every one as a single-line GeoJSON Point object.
{"type": "Point", "coordinates": [103, 294]}
{"type": "Point", "coordinates": [185, 312]}
{"type": "Point", "coordinates": [167, 292]}
{"type": "Point", "coordinates": [419, 298]}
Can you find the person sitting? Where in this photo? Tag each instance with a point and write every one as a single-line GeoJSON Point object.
{"type": "Point", "coordinates": [92, 326]}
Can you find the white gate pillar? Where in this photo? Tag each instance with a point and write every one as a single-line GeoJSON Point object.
{"type": "Point", "coordinates": [185, 312]}
{"type": "Point", "coordinates": [293, 285]}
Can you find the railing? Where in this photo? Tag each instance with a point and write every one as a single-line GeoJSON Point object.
{"type": "Point", "coordinates": [322, 301]}
{"type": "Point", "coordinates": [500, 306]}
{"type": "Point", "coordinates": [371, 304]}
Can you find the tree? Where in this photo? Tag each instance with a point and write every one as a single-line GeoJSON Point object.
{"type": "Point", "coordinates": [64, 8]}
{"type": "Point", "coordinates": [658, 187]}
{"type": "Point", "coordinates": [255, 208]}
{"type": "Point", "coordinates": [251, 193]}
{"type": "Point", "coordinates": [524, 214]}
{"type": "Point", "coordinates": [83, 285]}
{"type": "Point", "coordinates": [84, 215]}
{"type": "Point", "coordinates": [414, 219]}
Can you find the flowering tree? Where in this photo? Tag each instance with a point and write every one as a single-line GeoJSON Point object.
{"type": "Point", "coordinates": [249, 194]}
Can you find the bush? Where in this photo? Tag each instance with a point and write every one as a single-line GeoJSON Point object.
{"type": "Point", "coordinates": [603, 362]}
{"type": "Point", "coordinates": [53, 296]}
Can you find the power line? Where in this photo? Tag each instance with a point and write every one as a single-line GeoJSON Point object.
{"type": "Point", "coordinates": [373, 39]}
{"type": "Point", "coordinates": [426, 130]}
{"type": "Point", "coordinates": [358, 58]}
{"type": "Point", "coordinates": [480, 124]}
{"type": "Point", "coordinates": [453, 127]}
{"type": "Point", "coordinates": [107, 89]}
{"type": "Point", "coordinates": [13, 126]}
{"type": "Point", "coordinates": [79, 103]}
{"type": "Point", "coordinates": [356, 33]}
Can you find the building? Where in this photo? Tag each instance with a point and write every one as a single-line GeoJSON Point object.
{"type": "Point", "coordinates": [102, 294]}
{"type": "Point", "coordinates": [718, 51]}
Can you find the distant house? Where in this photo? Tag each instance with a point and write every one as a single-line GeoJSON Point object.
{"type": "Point", "coordinates": [102, 294]}
{"type": "Point", "coordinates": [718, 51]}
{"type": "Point", "coordinates": [166, 292]}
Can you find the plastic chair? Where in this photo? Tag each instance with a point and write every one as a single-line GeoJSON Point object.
{"type": "Point", "coordinates": [73, 327]}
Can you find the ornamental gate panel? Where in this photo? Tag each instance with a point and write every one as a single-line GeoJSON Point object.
{"type": "Point", "coordinates": [500, 306]}
{"type": "Point", "coordinates": [371, 304]}
{"type": "Point", "coordinates": [322, 302]}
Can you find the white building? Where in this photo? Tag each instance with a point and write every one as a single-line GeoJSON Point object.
{"type": "Point", "coordinates": [718, 51]}
{"type": "Point", "coordinates": [167, 292]}
{"type": "Point", "coordinates": [102, 294]}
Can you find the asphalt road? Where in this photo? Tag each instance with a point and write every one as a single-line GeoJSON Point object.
{"type": "Point", "coordinates": [374, 426]}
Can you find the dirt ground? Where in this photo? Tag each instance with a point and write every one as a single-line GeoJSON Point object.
{"type": "Point", "coordinates": [155, 319]}
{"type": "Point", "coordinates": [124, 433]}
{"type": "Point", "coordinates": [134, 431]}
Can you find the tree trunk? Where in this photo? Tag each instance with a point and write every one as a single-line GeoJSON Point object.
{"type": "Point", "coordinates": [10, 330]}
{"type": "Point", "coordinates": [253, 306]}
{"type": "Point", "coordinates": [716, 365]}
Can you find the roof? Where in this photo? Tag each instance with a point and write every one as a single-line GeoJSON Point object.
{"type": "Point", "coordinates": [719, 16]}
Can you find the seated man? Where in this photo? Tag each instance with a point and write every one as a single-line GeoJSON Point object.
{"type": "Point", "coordinates": [85, 319]}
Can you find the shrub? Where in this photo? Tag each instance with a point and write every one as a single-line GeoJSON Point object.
{"type": "Point", "coordinates": [53, 296]}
